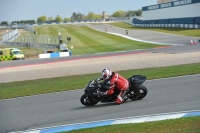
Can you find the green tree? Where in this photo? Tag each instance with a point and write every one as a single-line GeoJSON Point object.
{"type": "Point", "coordinates": [130, 13]}
{"type": "Point", "coordinates": [99, 16]}
{"type": "Point", "coordinates": [50, 19]}
{"type": "Point", "coordinates": [134, 13]}
{"type": "Point", "coordinates": [119, 14]}
{"type": "Point", "coordinates": [77, 16]}
{"type": "Point", "coordinates": [58, 19]}
{"type": "Point", "coordinates": [92, 16]}
{"type": "Point", "coordinates": [41, 19]}
{"type": "Point", "coordinates": [30, 21]}
{"type": "Point", "coordinates": [66, 20]}
{"type": "Point", "coordinates": [85, 17]}
{"type": "Point", "coordinates": [5, 23]}
{"type": "Point", "coordinates": [139, 13]}
{"type": "Point", "coordinates": [13, 22]}
{"type": "Point", "coordinates": [74, 16]}
{"type": "Point", "coordinates": [80, 16]}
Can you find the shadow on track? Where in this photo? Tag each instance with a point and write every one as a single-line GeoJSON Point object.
{"type": "Point", "coordinates": [100, 105]}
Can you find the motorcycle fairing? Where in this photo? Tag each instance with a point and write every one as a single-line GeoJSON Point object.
{"type": "Point", "coordinates": [136, 80]}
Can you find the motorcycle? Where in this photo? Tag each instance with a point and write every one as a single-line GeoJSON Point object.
{"type": "Point", "coordinates": [136, 91]}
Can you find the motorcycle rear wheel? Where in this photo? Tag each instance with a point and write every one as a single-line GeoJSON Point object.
{"type": "Point", "coordinates": [139, 93]}
{"type": "Point", "coordinates": [88, 101]}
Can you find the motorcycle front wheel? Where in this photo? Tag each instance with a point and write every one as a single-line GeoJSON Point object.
{"type": "Point", "coordinates": [88, 101]}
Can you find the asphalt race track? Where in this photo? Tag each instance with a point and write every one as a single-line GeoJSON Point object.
{"type": "Point", "coordinates": [165, 49]}
{"type": "Point", "coordinates": [147, 35]}
{"type": "Point", "coordinates": [165, 95]}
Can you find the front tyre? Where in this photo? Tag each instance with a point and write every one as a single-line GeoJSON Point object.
{"type": "Point", "coordinates": [88, 101]}
{"type": "Point", "coordinates": [139, 93]}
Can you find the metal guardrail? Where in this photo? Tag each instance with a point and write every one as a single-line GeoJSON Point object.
{"type": "Point", "coordinates": [10, 36]}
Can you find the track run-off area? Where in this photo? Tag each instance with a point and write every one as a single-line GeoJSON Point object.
{"type": "Point", "coordinates": [46, 110]}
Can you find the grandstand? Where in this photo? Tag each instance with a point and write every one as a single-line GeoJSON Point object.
{"type": "Point", "coordinates": [171, 12]}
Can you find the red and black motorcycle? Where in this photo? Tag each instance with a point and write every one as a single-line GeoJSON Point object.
{"type": "Point", "coordinates": [136, 91]}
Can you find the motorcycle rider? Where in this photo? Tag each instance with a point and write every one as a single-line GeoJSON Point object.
{"type": "Point", "coordinates": [116, 81]}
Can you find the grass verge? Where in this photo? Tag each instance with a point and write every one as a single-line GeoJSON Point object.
{"type": "Point", "coordinates": [181, 125]}
{"type": "Point", "coordinates": [177, 31]}
{"type": "Point", "coordinates": [89, 41]}
{"type": "Point", "coordinates": [41, 86]}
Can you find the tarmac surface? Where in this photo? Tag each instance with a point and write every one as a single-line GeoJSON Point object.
{"type": "Point", "coordinates": [164, 96]}
{"type": "Point", "coordinates": [147, 35]}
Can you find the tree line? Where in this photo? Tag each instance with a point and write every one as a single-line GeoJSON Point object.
{"type": "Point", "coordinates": [22, 22]}
{"type": "Point", "coordinates": [76, 16]}
{"type": "Point", "coordinates": [90, 16]}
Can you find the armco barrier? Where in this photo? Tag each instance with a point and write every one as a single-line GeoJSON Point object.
{"type": "Point", "coordinates": [55, 55]}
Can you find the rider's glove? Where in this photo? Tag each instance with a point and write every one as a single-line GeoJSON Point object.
{"type": "Point", "coordinates": [96, 80]}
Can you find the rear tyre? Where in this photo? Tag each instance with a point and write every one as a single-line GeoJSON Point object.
{"type": "Point", "coordinates": [87, 101]}
{"type": "Point", "coordinates": [139, 93]}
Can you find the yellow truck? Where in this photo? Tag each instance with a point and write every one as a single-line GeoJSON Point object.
{"type": "Point", "coordinates": [11, 54]}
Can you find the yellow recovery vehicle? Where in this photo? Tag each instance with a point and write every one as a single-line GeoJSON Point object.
{"type": "Point", "coordinates": [11, 54]}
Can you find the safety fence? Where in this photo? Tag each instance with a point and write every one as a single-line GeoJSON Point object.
{"type": "Point", "coordinates": [38, 39]}
{"type": "Point", "coordinates": [14, 39]}
{"type": "Point", "coordinates": [28, 28]}
{"type": "Point", "coordinates": [10, 36]}
{"type": "Point", "coordinates": [31, 45]}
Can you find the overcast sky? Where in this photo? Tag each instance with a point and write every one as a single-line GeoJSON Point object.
{"type": "Point", "coordinates": [13, 10]}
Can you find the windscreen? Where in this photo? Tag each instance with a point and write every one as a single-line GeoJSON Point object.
{"type": "Point", "coordinates": [17, 52]}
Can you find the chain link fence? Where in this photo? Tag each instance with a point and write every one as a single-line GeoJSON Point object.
{"type": "Point", "coordinates": [31, 40]}
{"type": "Point", "coordinates": [38, 39]}
{"type": "Point", "coordinates": [31, 45]}
{"type": "Point", "coordinates": [28, 28]}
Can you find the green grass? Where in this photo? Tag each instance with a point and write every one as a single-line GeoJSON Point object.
{"type": "Point", "coordinates": [41, 86]}
{"type": "Point", "coordinates": [88, 41]}
{"type": "Point", "coordinates": [181, 125]}
{"type": "Point", "coordinates": [177, 31]}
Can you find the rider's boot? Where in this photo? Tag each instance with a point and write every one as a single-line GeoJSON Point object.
{"type": "Point", "coordinates": [124, 96]}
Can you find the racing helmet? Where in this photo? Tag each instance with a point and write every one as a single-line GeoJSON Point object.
{"type": "Point", "coordinates": [106, 73]}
